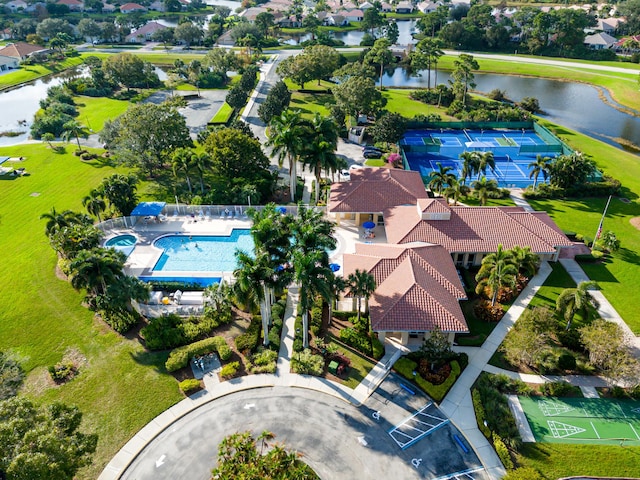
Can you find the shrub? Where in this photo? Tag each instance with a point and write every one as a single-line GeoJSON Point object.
{"type": "Point", "coordinates": [559, 389]}
{"type": "Point", "coordinates": [523, 473]}
{"type": "Point", "coordinates": [307, 363]}
{"type": "Point", "coordinates": [277, 311]}
{"type": "Point", "coordinates": [378, 348]}
{"type": "Point", "coordinates": [503, 452]}
{"type": "Point", "coordinates": [263, 362]}
{"type": "Point", "coordinates": [356, 339]}
{"type": "Point", "coordinates": [298, 346]}
{"type": "Point", "coordinates": [189, 385]}
{"type": "Point", "coordinates": [170, 331]}
{"type": "Point", "coordinates": [497, 413]}
{"type": "Point", "coordinates": [248, 341]}
{"type": "Point", "coordinates": [229, 370]}
{"type": "Point", "coordinates": [274, 339]}
{"type": "Point", "coordinates": [566, 361]}
{"type": "Point", "coordinates": [618, 392]}
{"type": "Point", "coordinates": [571, 340]}
{"type": "Point", "coordinates": [405, 367]}
{"type": "Point", "coordinates": [62, 371]}
{"type": "Point", "coordinates": [179, 357]}
{"type": "Point", "coordinates": [480, 413]}
{"type": "Point", "coordinates": [483, 310]}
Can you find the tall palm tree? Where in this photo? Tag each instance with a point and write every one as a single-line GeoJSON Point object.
{"type": "Point", "coordinates": [251, 277]}
{"type": "Point", "coordinates": [427, 53]}
{"type": "Point", "coordinates": [526, 260]}
{"type": "Point", "coordinates": [202, 162]}
{"type": "Point", "coordinates": [497, 271]}
{"type": "Point", "coordinates": [483, 188]}
{"type": "Point", "coordinates": [440, 179]}
{"type": "Point", "coordinates": [361, 285]}
{"type": "Point", "coordinates": [470, 163]}
{"type": "Point", "coordinates": [312, 232]}
{"type": "Point", "coordinates": [576, 300]}
{"type": "Point", "coordinates": [286, 133]}
{"type": "Point", "coordinates": [320, 153]}
{"type": "Point", "coordinates": [56, 221]}
{"type": "Point", "coordinates": [94, 203]}
{"type": "Point", "coordinates": [73, 129]}
{"type": "Point", "coordinates": [485, 159]}
{"type": "Point", "coordinates": [313, 275]}
{"type": "Point", "coordinates": [540, 166]}
{"type": "Point", "coordinates": [455, 190]}
{"type": "Point", "coordinates": [95, 269]}
{"type": "Point", "coordinates": [183, 160]}
{"type": "Point", "coordinates": [336, 286]}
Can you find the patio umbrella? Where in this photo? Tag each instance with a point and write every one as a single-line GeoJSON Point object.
{"type": "Point", "coordinates": [334, 267]}
{"type": "Point", "coordinates": [369, 225]}
{"type": "Point", "coordinates": [282, 210]}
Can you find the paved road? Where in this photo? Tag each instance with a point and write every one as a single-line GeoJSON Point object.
{"type": "Point", "coordinates": [338, 441]}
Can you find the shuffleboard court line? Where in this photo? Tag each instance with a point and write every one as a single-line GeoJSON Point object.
{"type": "Point", "coordinates": [594, 429]}
{"type": "Point", "coordinates": [634, 431]}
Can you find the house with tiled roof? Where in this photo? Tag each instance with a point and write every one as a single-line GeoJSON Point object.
{"type": "Point", "coordinates": [599, 41]}
{"type": "Point", "coordinates": [21, 50]}
{"type": "Point", "coordinates": [74, 5]}
{"type": "Point", "coordinates": [145, 32]}
{"type": "Point", "coordinates": [373, 190]}
{"type": "Point", "coordinates": [132, 7]}
{"type": "Point", "coordinates": [6, 34]}
{"type": "Point", "coordinates": [417, 290]}
{"type": "Point", "coordinates": [16, 5]}
{"type": "Point", "coordinates": [471, 233]}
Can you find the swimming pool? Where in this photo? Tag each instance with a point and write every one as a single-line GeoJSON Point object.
{"type": "Point", "coordinates": [121, 241]}
{"type": "Point", "coordinates": [205, 253]}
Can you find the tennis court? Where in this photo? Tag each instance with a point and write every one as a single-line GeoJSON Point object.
{"type": "Point", "coordinates": [513, 151]}
{"type": "Point", "coordinates": [589, 421]}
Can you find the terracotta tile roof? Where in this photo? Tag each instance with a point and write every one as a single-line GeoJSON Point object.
{"type": "Point", "coordinates": [476, 229]}
{"type": "Point", "coordinates": [418, 287]}
{"type": "Point", "coordinates": [20, 50]}
{"type": "Point", "coordinates": [372, 190]}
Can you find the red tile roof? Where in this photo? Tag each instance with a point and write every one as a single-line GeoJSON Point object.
{"type": "Point", "coordinates": [418, 287]}
{"type": "Point", "coordinates": [372, 190]}
{"type": "Point", "coordinates": [20, 50]}
{"type": "Point", "coordinates": [475, 229]}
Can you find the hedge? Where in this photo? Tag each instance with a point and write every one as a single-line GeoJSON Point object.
{"type": "Point", "coordinates": [481, 415]}
{"type": "Point", "coordinates": [249, 339]}
{"type": "Point", "coordinates": [229, 370]}
{"type": "Point", "coordinates": [189, 385]}
{"type": "Point", "coordinates": [179, 357]}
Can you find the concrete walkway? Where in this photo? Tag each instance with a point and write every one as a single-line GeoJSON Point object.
{"type": "Point", "coordinates": [519, 200]}
{"type": "Point", "coordinates": [288, 333]}
{"type": "Point", "coordinates": [591, 381]}
{"type": "Point", "coordinates": [458, 406]}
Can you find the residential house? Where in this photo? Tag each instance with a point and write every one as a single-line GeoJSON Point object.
{"type": "Point", "coordinates": [226, 39]}
{"type": "Point", "coordinates": [386, 7]}
{"type": "Point", "coordinates": [21, 50]}
{"type": "Point", "coordinates": [599, 41]}
{"type": "Point", "coordinates": [8, 63]}
{"type": "Point", "coordinates": [417, 290]}
{"type": "Point", "coordinates": [335, 20]}
{"type": "Point", "coordinates": [132, 7]}
{"type": "Point", "coordinates": [355, 15]}
{"type": "Point", "coordinates": [108, 8]}
{"type": "Point", "coordinates": [144, 33]}
{"type": "Point", "coordinates": [628, 44]}
{"type": "Point", "coordinates": [365, 6]}
{"type": "Point", "coordinates": [6, 34]}
{"type": "Point", "coordinates": [74, 5]}
{"type": "Point", "coordinates": [427, 7]}
{"type": "Point", "coordinates": [157, 6]}
{"type": "Point", "coordinates": [404, 7]}
{"type": "Point", "coordinates": [609, 25]}
{"type": "Point", "coordinates": [16, 5]}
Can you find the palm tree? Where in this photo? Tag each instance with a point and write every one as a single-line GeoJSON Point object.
{"type": "Point", "coordinates": [56, 221]}
{"type": "Point", "coordinates": [576, 300]}
{"type": "Point", "coordinates": [540, 166]}
{"type": "Point", "coordinates": [441, 178]}
{"type": "Point", "coordinates": [527, 261]}
{"type": "Point", "coordinates": [95, 269]}
{"type": "Point", "coordinates": [455, 190]}
{"type": "Point", "coordinates": [251, 277]}
{"type": "Point", "coordinates": [361, 285]}
{"type": "Point", "coordinates": [313, 275]}
{"type": "Point", "coordinates": [202, 162]}
{"type": "Point", "coordinates": [485, 159]}
{"type": "Point", "coordinates": [312, 232]}
{"type": "Point", "coordinates": [470, 163]}
{"type": "Point", "coordinates": [320, 153]}
{"type": "Point", "coordinates": [483, 188]}
{"type": "Point", "coordinates": [94, 203]}
{"type": "Point", "coordinates": [73, 129]}
{"type": "Point", "coordinates": [427, 52]}
{"type": "Point", "coordinates": [48, 137]}
{"type": "Point", "coordinates": [336, 287]}
{"type": "Point", "coordinates": [286, 133]}
{"type": "Point", "coordinates": [183, 160]}
{"type": "Point", "coordinates": [497, 271]}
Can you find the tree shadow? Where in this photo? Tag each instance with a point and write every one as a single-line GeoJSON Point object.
{"type": "Point", "coordinates": [151, 359]}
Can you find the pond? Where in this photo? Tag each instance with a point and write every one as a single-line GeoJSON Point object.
{"type": "Point", "coordinates": [353, 37]}
{"type": "Point", "coordinates": [574, 105]}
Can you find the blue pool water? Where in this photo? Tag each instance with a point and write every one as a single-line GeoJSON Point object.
{"type": "Point", "coordinates": [183, 253]}
{"type": "Point", "coordinates": [202, 281]}
{"type": "Point", "coordinates": [121, 241]}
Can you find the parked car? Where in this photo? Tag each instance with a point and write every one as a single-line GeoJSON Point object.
{"type": "Point", "coordinates": [369, 148]}
{"type": "Point", "coordinates": [344, 175]}
{"type": "Point", "coordinates": [355, 167]}
{"type": "Point", "coordinates": [372, 154]}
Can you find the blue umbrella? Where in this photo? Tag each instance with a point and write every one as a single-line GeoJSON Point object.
{"type": "Point", "coordinates": [282, 210]}
{"type": "Point", "coordinates": [369, 225]}
{"type": "Point", "coordinates": [334, 267]}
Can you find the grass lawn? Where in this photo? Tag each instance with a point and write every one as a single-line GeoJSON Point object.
{"type": "Point", "coordinates": [120, 387]}
{"type": "Point", "coordinates": [619, 274]}
{"type": "Point", "coordinates": [398, 101]}
{"type": "Point", "coordinates": [556, 460]}
{"type": "Point", "coordinates": [29, 73]}
{"type": "Point", "coordinates": [94, 111]}
{"type": "Point", "coordinates": [623, 86]}
{"type": "Point", "coordinates": [360, 365]}
{"type": "Point", "coordinates": [309, 103]}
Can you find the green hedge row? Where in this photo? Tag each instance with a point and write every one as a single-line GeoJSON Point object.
{"type": "Point", "coordinates": [248, 341]}
{"type": "Point", "coordinates": [179, 357]}
{"type": "Point", "coordinates": [405, 367]}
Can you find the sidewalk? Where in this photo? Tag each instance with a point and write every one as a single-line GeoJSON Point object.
{"type": "Point", "coordinates": [288, 333]}
{"type": "Point", "coordinates": [519, 200]}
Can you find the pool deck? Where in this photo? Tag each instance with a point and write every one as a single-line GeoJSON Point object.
{"type": "Point", "coordinates": [144, 256]}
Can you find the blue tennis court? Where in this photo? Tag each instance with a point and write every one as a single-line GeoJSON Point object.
{"type": "Point", "coordinates": [513, 151]}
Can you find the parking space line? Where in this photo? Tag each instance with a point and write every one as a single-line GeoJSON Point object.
{"type": "Point", "coordinates": [415, 427]}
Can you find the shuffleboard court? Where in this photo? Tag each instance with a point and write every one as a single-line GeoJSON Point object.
{"type": "Point", "coordinates": [590, 421]}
